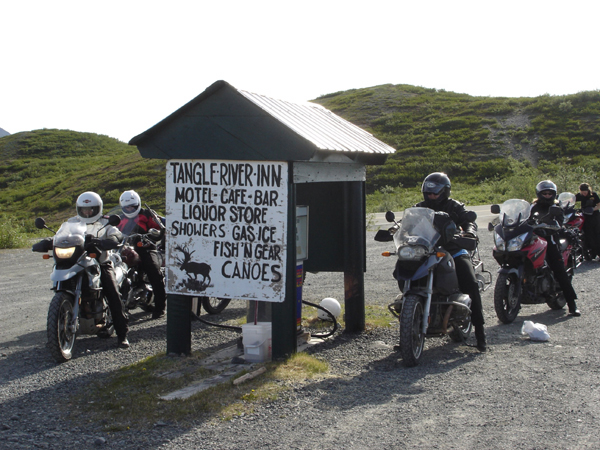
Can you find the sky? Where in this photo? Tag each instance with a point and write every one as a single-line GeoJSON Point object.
{"type": "Point", "coordinates": [119, 67]}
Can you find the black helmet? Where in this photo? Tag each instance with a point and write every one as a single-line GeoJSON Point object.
{"type": "Point", "coordinates": [436, 183]}
{"type": "Point", "coordinates": [545, 186]}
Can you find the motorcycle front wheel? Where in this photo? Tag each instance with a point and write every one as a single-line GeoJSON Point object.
{"type": "Point", "coordinates": [506, 299]}
{"type": "Point", "coordinates": [60, 338]}
{"type": "Point", "coordinates": [214, 305]}
{"type": "Point", "coordinates": [412, 338]}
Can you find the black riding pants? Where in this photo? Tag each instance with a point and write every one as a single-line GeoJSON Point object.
{"type": "Point", "coordinates": [151, 263]}
{"type": "Point", "coordinates": [111, 291]}
{"type": "Point", "coordinates": [555, 261]}
{"type": "Point", "coordinates": [468, 285]}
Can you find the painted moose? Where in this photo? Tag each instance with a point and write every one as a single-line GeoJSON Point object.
{"type": "Point", "coordinates": [193, 268]}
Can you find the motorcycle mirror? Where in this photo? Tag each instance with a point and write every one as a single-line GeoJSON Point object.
{"type": "Point", "coordinates": [495, 209]}
{"type": "Point", "coordinates": [383, 236]}
{"type": "Point", "coordinates": [40, 223]}
{"type": "Point", "coordinates": [390, 216]}
{"type": "Point", "coordinates": [114, 220]}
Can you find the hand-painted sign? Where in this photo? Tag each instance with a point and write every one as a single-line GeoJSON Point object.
{"type": "Point", "coordinates": [227, 228]}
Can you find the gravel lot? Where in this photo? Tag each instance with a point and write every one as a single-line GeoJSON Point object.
{"type": "Point", "coordinates": [519, 395]}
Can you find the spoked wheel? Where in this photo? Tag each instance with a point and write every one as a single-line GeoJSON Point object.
{"type": "Point", "coordinates": [506, 299]}
{"type": "Point", "coordinates": [461, 331]}
{"type": "Point", "coordinates": [61, 339]}
{"type": "Point", "coordinates": [214, 305]}
{"type": "Point", "coordinates": [412, 338]}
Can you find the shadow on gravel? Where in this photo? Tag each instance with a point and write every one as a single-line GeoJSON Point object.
{"type": "Point", "coordinates": [385, 378]}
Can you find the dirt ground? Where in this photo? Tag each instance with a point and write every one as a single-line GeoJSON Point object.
{"type": "Point", "coordinates": [520, 394]}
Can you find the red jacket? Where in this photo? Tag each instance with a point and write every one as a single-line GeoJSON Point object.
{"type": "Point", "coordinates": [138, 224]}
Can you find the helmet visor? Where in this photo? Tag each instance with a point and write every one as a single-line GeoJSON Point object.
{"type": "Point", "coordinates": [88, 211]}
{"type": "Point", "coordinates": [129, 209]}
{"type": "Point", "coordinates": [430, 187]}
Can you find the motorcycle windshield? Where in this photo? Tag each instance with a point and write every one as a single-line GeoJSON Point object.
{"type": "Point", "coordinates": [566, 199]}
{"type": "Point", "coordinates": [417, 229]}
{"type": "Point", "coordinates": [70, 234]}
{"type": "Point", "coordinates": [513, 212]}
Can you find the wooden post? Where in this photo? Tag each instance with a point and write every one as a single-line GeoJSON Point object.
{"type": "Point", "coordinates": [284, 337]}
{"type": "Point", "coordinates": [354, 259]}
{"type": "Point", "coordinates": [179, 324]}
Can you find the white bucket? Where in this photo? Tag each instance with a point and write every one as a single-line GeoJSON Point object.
{"type": "Point", "coordinates": [257, 341]}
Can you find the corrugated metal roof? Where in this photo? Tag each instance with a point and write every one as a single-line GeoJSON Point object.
{"type": "Point", "coordinates": [320, 126]}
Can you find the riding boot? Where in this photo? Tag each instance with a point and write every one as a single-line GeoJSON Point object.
{"type": "Point", "coordinates": [480, 336]}
{"type": "Point", "coordinates": [573, 310]}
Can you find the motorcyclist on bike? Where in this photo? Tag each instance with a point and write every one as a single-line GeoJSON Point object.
{"type": "Point", "coordinates": [546, 197]}
{"type": "Point", "coordinates": [140, 220]}
{"type": "Point", "coordinates": [591, 224]}
{"type": "Point", "coordinates": [436, 196]}
{"type": "Point", "coordinates": [89, 211]}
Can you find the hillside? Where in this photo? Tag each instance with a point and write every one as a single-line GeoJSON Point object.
{"type": "Point", "coordinates": [43, 172]}
{"type": "Point", "coordinates": [471, 138]}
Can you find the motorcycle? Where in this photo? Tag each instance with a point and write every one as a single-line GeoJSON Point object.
{"type": "Point", "coordinates": [430, 303]}
{"type": "Point", "coordinates": [573, 226]}
{"type": "Point", "coordinates": [136, 290]}
{"type": "Point", "coordinates": [524, 276]}
{"type": "Point", "coordinates": [79, 305]}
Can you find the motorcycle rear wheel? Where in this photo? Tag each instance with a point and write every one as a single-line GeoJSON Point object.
{"type": "Point", "coordinates": [60, 338]}
{"type": "Point", "coordinates": [506, 302]}
{"type": "Point", "coordinates": [214, 305]}
{"type": "Point", "coordinates": [412, 338]}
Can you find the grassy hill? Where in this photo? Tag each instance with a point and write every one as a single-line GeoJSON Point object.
{"type": "Point", "coordinates": [43, 172]}
{"type": "Point", "coordinates": [492, 148]}
{"type": "Point", "coordinates": [471, 138]}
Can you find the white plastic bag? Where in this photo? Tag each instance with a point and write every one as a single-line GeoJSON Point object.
{"type": "Point", "coordinates": [536, 331]}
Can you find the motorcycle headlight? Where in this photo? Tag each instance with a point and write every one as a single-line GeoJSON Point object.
{"type": "Point", "coordinates": [412, 252]}
{"type": "Point", "coordinates": [516, 243]}
{"type": "Point", "coordinates": [500, 244]}
{"type": "Point", "coordinates": [64, 253]}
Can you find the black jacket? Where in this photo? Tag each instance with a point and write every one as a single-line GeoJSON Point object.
{"type": "Point", "coordinates": [463, 218]}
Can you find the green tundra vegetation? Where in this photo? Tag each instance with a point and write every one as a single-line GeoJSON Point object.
{"type": "Point", "coordinates": [492, 148]}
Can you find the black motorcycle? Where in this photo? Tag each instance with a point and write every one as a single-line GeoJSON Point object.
{"type": "Point", "coordinates": [430, 303]}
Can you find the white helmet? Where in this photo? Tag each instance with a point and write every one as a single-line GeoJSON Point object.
{"type": "Point", "coordinates": [331, 305]}
{"type": "Point", "coordinates": [89, 207]}
{"type": "Point", "coordinates": [131, 204]}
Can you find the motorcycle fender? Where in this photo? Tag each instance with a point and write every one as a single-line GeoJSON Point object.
{"type": "Point", "coordinates": [518, 271]}
{"type": "Point", "coordinates": [424, 269]}
{"type": "Point", "coordinates": [65, 274]}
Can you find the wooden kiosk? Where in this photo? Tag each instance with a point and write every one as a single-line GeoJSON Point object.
{"type": "Point", "coordinates": [239, 165]}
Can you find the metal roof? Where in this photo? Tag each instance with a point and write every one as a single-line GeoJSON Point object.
{"type": "Point", "coordinates": [320, 126]}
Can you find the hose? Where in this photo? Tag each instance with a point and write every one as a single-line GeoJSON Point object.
{"type": "Point", "coordinates": [335, 324]}
{"type": "Point", "coordinates": [236, 328]}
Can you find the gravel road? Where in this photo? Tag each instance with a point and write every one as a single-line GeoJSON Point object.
{"type": "Point", "coordinates": [519, 395]}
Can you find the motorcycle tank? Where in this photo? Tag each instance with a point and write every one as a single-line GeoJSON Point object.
{"type": "Point", "coordinates": [445, 280]}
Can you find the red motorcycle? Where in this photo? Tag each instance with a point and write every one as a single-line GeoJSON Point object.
{"type": "Point", "coordinates": [524, 276]}
{"type": "Point", "coordinates": [573, 225]}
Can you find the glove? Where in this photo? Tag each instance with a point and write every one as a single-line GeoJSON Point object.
{"type": "Point", "coordinates": [43, 246]}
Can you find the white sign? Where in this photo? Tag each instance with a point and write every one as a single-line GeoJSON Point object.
{"type": "Point", "coordinates": [227, 229]}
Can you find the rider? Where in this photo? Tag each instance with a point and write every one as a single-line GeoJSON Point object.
{"type": "Point", "coordinates": [436, 196]}
{"type": "Point", "coordinates": [546, 197]}
{"type": "Point", "coordinates": [89, 211]}
{"type": "Point", "coordinates": [138, 220]}
{"type": "Point", "coordinates": [591, 224]}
